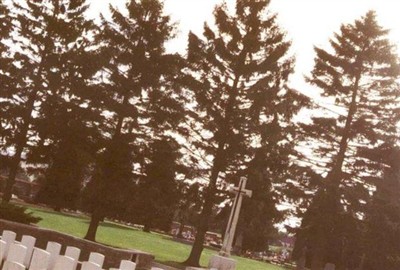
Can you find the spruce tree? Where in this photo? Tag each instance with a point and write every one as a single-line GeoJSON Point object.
{"type": "Point", "coordinates": [8, 81]}
{"type": "Point", "coordinates": [240, 70]}
{"type": "Point", "coordinates": [358, 72]}
{"type": "Point", "coordinates": [70, 114]}
{"type": "Point", "coordinates": [139, 83]}
{"type": "Point", "coordinates": [158, 191]}
{"type": "Point", "coordinates": [52, 93]}
{"type": "Point", "coordinates": [23, 106]}
{"type": "Point", "coordinates": [56, 66]}
{"type": "Point", "coordinates": [382, 217]}
{"type": "Point", "coordinates": [189, 206]}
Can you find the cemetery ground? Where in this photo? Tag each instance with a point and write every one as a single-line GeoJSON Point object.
{"type": "Point", "coordinates": [165, 250]}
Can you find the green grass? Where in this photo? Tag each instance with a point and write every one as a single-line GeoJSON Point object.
{"type": "Point", "coordinates": [164, 249]}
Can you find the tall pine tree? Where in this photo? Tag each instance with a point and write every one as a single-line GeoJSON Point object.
{"type": "Point", "coordinates": [240, 70]}
{"type": "Point", "coordinates": [139, 82]}
{"type": "Point", "coordinates": [382, 218]}
{"type": "Point", "coordinates": [358, 72]}
{"type": "Point", "coordinates": [69, 114]}
{"type": "Point", "coordinates": [8, 81]}
{"type": "Point", "coordinates": [23, 107]}
{"type": "Point", "coordinates": [158, 191]}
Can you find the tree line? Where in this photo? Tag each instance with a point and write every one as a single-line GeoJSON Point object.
{"type": "Point", "coordinates": [109, 122]}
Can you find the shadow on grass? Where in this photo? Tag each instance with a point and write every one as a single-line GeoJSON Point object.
{"type": "Point", "coordinates": [56, 213]}
{"type": "Point", "coordinates": [111, 225]}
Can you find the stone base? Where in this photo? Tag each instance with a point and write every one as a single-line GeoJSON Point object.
{"type": "Point", "coordinates": [218, 262]}
{"type": "Point", "coordinates": [329, 266]}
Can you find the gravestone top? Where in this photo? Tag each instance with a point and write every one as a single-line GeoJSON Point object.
{"type": "Point", "coordinates": [222, 263]}
{"type": "Point", "coordinates": [329, 266]}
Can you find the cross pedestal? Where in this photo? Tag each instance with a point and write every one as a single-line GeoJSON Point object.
{"type": "Point", "coordinates": [219, 262]}
{"type": "Point", "coordinates": [222, 261]}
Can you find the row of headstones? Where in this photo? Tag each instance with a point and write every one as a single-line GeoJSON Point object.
{"type": "Point", "coordinates": [24, 255]}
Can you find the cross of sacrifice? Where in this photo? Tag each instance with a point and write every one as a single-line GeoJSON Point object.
{"type": "Point", "coordinates": [240, 191]}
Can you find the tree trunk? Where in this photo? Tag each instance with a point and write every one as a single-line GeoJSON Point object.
{"type": "Point", "coordinates": [7, 194]}
{"type": "Point", "coordinates": [94, 224]}
{"type": "Point", "coordinates": [317, 262]}
{"type": "Point", "coordinates": [146, 228]}
{"type": "Point", "coordinates": [197, 248]}
{"type": "Point", "coordinates": [12, 175]}
{"type": "Point", "coordinates": [335, 175]}
{"type": "Point", "coordinates": [97, 214]}
{"type": "Point", "coordinates": [21, 143]}
{"type": "Point", "coordinates": [336, 172]}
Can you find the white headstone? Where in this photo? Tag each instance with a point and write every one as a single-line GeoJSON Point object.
{"type": "Point", "coordinates": [13, 266]}
{"type": "Point", "coordinates": [127, 265]}
{"type": "Point", "coordinates": [329, 266]}
{"type": "Point", "coordinates": [65, 263]}
{"type": "Point", "coordinates": [54, 249]}
{"type": "Point", "coordinates": [40, 259]}
{"type": "Point", "coordinates": [96, 258]}
{"type": "Point", "coordinates": [3, 246]}
{"type": "Point", "coordinates": [222, 263]}
{"type": "Point", "coordinates": [73, 252]}
{"type": "Point", "coordinates": [90, 266]}
{"type": "Point", "coordinates": [16, 253]}
{"type": "Point", "coordinates": [8, 237]}
{"type": "Point", "coordinates": [29, 242]}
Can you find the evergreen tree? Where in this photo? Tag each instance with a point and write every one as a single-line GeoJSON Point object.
{"type": "Point", "coordinates": [52, 91]}
{"type": "Point", "coordinates": [111, 183]}
{"type": "Point", "coordinates": [23, 105]}
{"type": "Point", "coordinates": [69, 115]}
{"type": "Point", "coordinates": [359, 73]}
{"type": "Point", "coordinates": [381, 247]}
{"type": "Point", "coordinates": [158, 190]}
{"type": "Point", "coordinates": [189, 206]}
{"type": "Point", "coordinates": [259, 213]}
{"type": "Point", "coordinates": [238, 68]}
{"type": "Point", "coordinates": [7, 77]}
{"type": "Point", "coordinates": [139, 82]}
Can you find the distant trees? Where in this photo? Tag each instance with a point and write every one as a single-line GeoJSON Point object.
{"type": "Point", "coordinates": [359, 73]}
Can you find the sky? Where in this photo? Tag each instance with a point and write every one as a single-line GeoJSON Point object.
{"type": "Point", "coordinates": [308, 23]}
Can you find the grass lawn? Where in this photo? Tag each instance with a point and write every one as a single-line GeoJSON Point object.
{"type": "Point", "coordinates": [161, 246]}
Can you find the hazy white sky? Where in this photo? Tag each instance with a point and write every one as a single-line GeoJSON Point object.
{"type": "Point", "coordinates": [307, 22]}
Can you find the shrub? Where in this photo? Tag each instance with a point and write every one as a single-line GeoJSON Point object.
{"type": "Point", "coordinates": [17, 213]}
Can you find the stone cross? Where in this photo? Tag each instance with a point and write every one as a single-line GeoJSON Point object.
{"type": "Point", "coordinates": [240, 191]}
